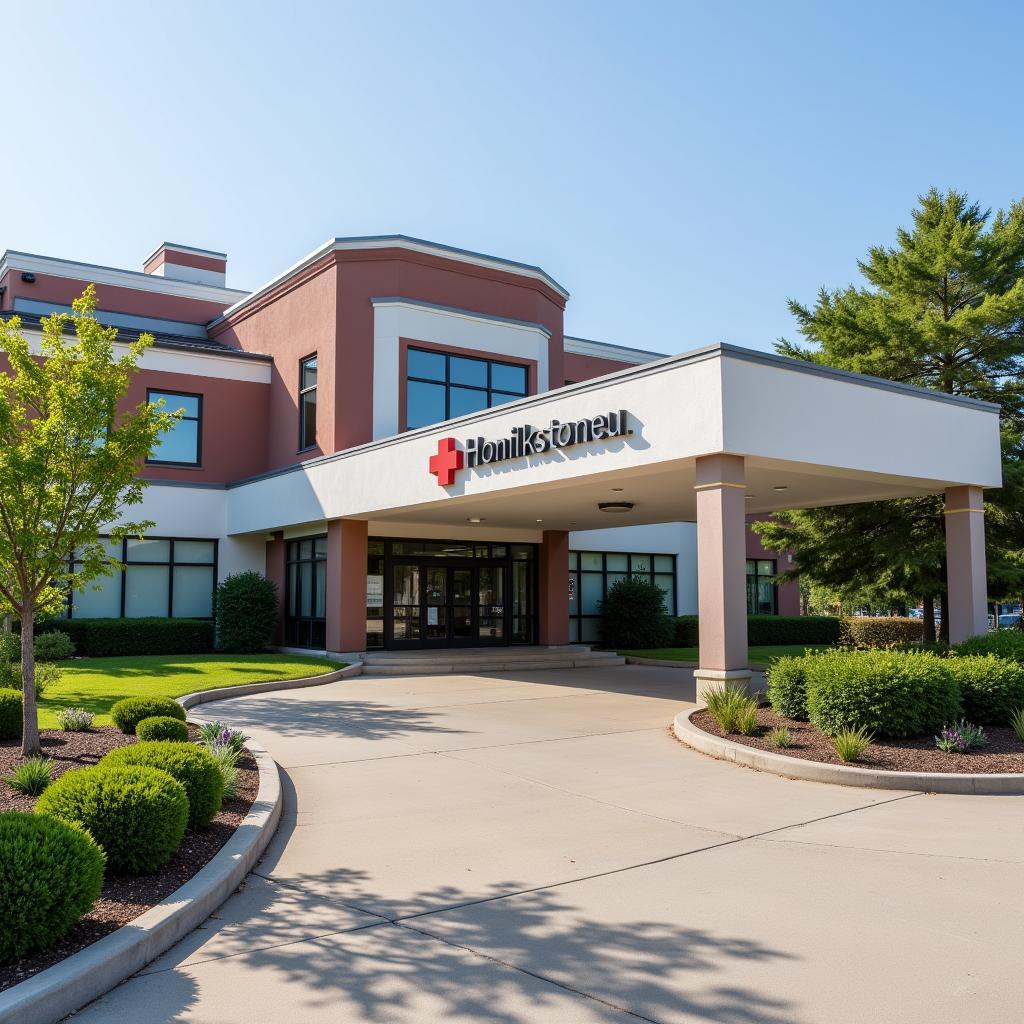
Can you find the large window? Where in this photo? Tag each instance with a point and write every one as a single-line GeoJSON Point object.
{"type": "Point", "coordinates": [440, 386]}
{"type": "Point", "coordinates": [306, 609]}
{"type": "Point", "coordinates": [761, 593]}
{"type": "Point", "coordinates": [182, 444]}
{"type": "Point", "coordinates": [307, 403]}
{"type": "Point", "coordinates": [163, 576]}
{"type": "Point", "coordinates": [591, 573]}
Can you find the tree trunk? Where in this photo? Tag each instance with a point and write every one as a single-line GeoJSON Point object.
{"type": "Point", "coordinates": [29, 713]}
{"type": "Point", "coordinates": [944, 619]}
{"type": "Point", "coordinates": [928, 611]}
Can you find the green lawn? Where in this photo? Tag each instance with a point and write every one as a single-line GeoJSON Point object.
{"type": "Point", "coordinates": [96, 683]}
{"type": "Point", "coordinates": [758, 655]}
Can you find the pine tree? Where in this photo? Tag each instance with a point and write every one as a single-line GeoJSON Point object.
{"type": "Point", "coordinates": [942, 309]}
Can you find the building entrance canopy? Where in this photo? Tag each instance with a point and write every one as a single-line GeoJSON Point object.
{"type": "Point", "coordinates": [807, 436]}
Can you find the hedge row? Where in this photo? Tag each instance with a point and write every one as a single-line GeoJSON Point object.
{"type": "Point", "coordinates": [771, 630]}
{"type": "Point", "coordinates": [104, 638]}
{"type": "Point", "coordinates": [865, 632]}
{"type": "Point", "coordinates": [895, 693]}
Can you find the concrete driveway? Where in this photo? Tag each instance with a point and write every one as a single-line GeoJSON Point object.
{"type": "Point", "coordinates": [537, 848]}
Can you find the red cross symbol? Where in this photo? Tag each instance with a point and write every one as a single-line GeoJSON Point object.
{"type": "Point", "coordinates": [447, 460]}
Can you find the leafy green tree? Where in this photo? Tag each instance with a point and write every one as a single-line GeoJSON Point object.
{"type": "Point", "coordinates": [943, 308]}
{"type": "Point", "coordinates": [68, 463]}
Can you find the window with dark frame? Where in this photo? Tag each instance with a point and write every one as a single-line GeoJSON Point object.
{"type": "Point", "coordinates": [165, 577]}
{"type": "Point", "coordinates": [307, 403]}
{"type": "Point", "coordinates": [442, 385]}
{"type": "Point", "coordinates": [591, 573]}
{"type": "Point", "coordinates": [306, 592]}
{"type": "Point", "coordinates": [762, 594]}
{"type": "Point", "coordinates": [182, 444]}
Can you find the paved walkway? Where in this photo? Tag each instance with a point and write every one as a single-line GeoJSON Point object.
{"type": "Point", "coordinates": [537, 848]}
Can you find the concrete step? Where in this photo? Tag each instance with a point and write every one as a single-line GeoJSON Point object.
{"type": "Point", "coordinates": [459, 666]}
{"type": "Point", "coordinates": [457, 658]}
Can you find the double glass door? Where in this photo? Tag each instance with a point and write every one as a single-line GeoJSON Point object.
{"type": "Point", "coordinates": [447, 605]}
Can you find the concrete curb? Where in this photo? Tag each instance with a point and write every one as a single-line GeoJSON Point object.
{"type": "Point", "coordinates": [51, 995]}
{"type": "Point", "coordinates": [667, 663]}
{"type": "Point", "coordinates": [190, 700]}
{"type": "Point", "coordinates": [840, 775]}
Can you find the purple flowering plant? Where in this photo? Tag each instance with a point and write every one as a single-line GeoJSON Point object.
{"type": "Point", "coordinates": [961, 738]}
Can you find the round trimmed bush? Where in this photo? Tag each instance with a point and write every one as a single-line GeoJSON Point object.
{"type": "Point", "coordinates": [52, 646]}
{"type": "Point", "coordinates": [10, 714]}
{"type": "Point", "coordinates": [162, 727]}
{"type": "Point", "coordinates": [196, 769]}
{"type": "Point", "coordinates": [991, 688]}
{"type": "Point", "coordinates": [889, 693]}
{"type": "Point", "coordinates": [137, 814]}
{"type": "Point", "coordinates": [787, 687]}
{"type": "Point", "coordinates": [633, 616]}
{"type": "Point", "coordinates": [53, 874]}
{"type": "Point", "coordinates": [127, 713]}
{"type": "Point", "coordinates": [245, 609]}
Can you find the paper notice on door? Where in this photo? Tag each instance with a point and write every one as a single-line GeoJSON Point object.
{"type": "Point", "coordinates": [374, 591]}
{"type": "Point", "coordinates": [431, 616]}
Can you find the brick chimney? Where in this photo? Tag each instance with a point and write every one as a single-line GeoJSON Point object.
{"type": "Point", "coordinates": [183, 263]}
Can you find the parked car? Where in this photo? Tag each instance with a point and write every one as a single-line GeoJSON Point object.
{"type": "Point", "coordinates": [1010, 620]}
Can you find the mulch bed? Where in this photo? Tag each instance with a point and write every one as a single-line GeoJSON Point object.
{"type": "Point", "coordinates": [124, 897]}
{"type": "Point", "coordinates": [1004, 752]}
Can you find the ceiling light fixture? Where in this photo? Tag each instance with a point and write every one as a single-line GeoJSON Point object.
{"type": "Point", "coordinates": [616, 488]}
{"type": "Point", "coordinates": [749, 496]}
{"type": "Point", "coordinates": [540, 520]}
{"type": "Point", "coordinates": [616, 507]}
{"type": "Point", "coordinates": [781, 487]}
{"type": "Point", "coordinates": [474, 519]}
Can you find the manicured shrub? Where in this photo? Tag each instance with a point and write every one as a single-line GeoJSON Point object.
{"type": "Point", "coordinates": [633, 616]}
{"type": "Point", "coordinates": [10, 714]}
{"type": "Point", "coordinates": [110, 638]}
{"type": "Point", "coordinates": [32, 776]}
{"type": "Point", "coordinates": [195, 768]}
{"type": "Point", "coordinates": [850, 744]}
{"type": "Point", "coordinates": [865, 632]}
{"type": "Point", "coordinates": [1003, 643]}
{"type": "Point", "coordinates": [52, 875]}
{"type": "Point", "coordinates": [74, 719]}
{"type": "Point", "coordinates": [770, 630]}
{"type": "Point", "coordinates": [137, 814]}
{"type": "Point", "coordinates": [47, 675]}
{"type": "Point", "coordinates": [245, 608]}
{"type": "Point", "coordinates": [162, 727]}
{"type": "Point", "coordinates": [129, 711]}
{"type": "Point", "coordinates": [52, 646]}
{"type": "Point", "coordinates": [991, 688]}
{"type": "Point", "coordinates": [888, 693]}
{"type": "Point", "coordinates": [787, 687]}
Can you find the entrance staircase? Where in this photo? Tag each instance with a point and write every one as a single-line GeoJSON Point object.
{"type": "Point", "coordinates": [470, 660]}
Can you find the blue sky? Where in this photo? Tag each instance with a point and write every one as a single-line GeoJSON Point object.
{"type": "Point", "coordinates": [682, 169]}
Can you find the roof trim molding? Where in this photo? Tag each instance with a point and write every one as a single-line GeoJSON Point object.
{"type": "Point", "coordinates": [175, 247]}
{"type": "Point", "coordinates": [370, 242]}
{"type": "Point", "coordinates": [605, 350]}
{"type": "Point", "coordinates": [96, 274]}
{"type": "Point", "coordinates": [465, 314]}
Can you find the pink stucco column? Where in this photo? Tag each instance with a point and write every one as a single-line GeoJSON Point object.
{"type": "Point", "coordinates": [346, 584]}
{"type": "Point", "coordinates": [553, 570]}
{"type": "Point", "coordinates": [721, 572]}
{"type": "Point", "coordinates": [966, 577]}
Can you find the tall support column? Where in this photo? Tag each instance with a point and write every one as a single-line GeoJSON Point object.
{"type": "Point", "coordinates": [966, 578]}
{"type": "Point", "coordinates": [346, 584]}
{"type": "Point", "coordinates": [721, 572]}
{"type": "Point", "coordinates": [553, 570]}
{"type": "Point", "coordinates": [276, 571]}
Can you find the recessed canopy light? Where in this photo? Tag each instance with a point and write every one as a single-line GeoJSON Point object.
{"type": "Point", "coordinates": [781, 487]}
{"type": "Point", "coordinates": [749, 496]}
{"type": "Point", "coordinates": [474, 519]}
{"type": "Point", "coordinates": [616, 507]}
{"type": "Point", "coordinates": [540, 520]}
{"type": "Point", "coordinates": [616, 488]}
